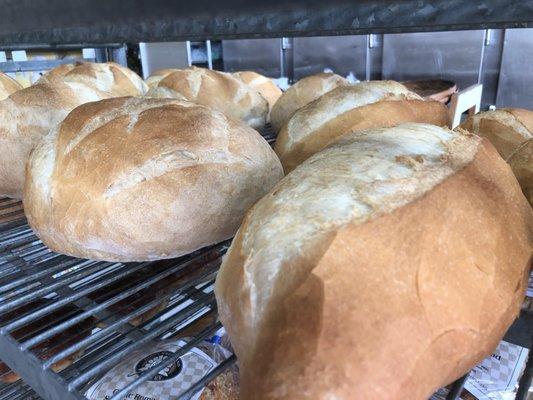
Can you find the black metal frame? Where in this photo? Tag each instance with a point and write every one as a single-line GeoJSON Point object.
{"type": "Point", "coordinates": [26, 22]}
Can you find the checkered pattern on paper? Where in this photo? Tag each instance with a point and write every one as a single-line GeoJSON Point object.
{"type": "Point", "coordinates": [493, 378]}
{"type": "Point", "coordinates": [195, 365]}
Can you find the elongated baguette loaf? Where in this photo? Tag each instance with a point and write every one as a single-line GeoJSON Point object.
{"type": "Point", "coordinates": [383, 267]}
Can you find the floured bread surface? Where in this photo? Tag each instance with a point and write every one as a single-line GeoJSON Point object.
{"type": "Point", "coordinates": [217, 90]}
{"type": "Point", "coordinates": [133, 179]}
{"type": "Point", "coordinates": [154, 79]}
{"type": "Point", "coordinates": [301, 93]}
{"type": "Point", "coordinates": [351, 108]}
{"type": "Point", "coordinates": [506, 128]}
{"type": "Point", "coordinates": [344, 278]}
{"type": "Point", "coordinates": [265, 86]}
{"type": "Point", "coordinates": [57, 72]}
{"type": "Point", "coordinates": [26, 116]}
{"type": "Point", "coordinates": [108, 77]}
{"type": "Point", "coordinates": [521, 162]}
{"type": "Point", "coordinates": [8, 86]}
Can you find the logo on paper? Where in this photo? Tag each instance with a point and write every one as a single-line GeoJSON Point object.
{"type": "Point", "coordinates": [153, 359]}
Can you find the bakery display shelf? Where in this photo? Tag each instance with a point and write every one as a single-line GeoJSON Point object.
{"type": "Point", "coordinates": [27, 22]}
{"type": "Point", "coordinates": [55, 307]}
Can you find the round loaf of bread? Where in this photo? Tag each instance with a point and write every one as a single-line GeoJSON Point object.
{"type": "Point", "coordinates": [108, 77]}
{"type": "Point", "coordinates": [26, 116]}
{"type": "Point", "coordinates": [217, 90]}
{"type": "Point", "coordinates": [374, 104]}
{"type": "Point", "coordinates": [386, 265]}
{"type": "Point", "coordinates": [131, 179]}
{"type": "Point", "coordinates": [156, 77]}
{"type": "Point", "coordinates": [301, 93]}
{"type": "Point", "coordinates": [265, 86]}
{"type": "Point", "coordinates": [507, 129]}
{"type": "Point", "coordinates": [521, 162]}
{"type": "Point", "coordinates": [8, 86]}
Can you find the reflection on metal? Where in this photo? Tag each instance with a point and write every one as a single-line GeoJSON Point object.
{"type": "Point", "coordinates": [437, 55]}
{"type": "Point", "coordinates": [209, 54]}
{"type": "Point", "coordinates": [516, 78]}
{"type": "Point", "coordinates": [161, 55]}
{"type": "Point", "coordinates": [343, 55]}
{"type": "Point", "coordinates": [260, 55]}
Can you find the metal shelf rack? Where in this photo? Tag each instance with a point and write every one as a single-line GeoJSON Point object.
{"type": "Point", "coordinates": [77, 21]}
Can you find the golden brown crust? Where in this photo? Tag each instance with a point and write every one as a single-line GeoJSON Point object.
{"type": "Point", "coordinates": [217, 90]}
{"type": "Point", "coordinates": [57, 72]}
{"type": "Point", "coordinates": [521, 162]}
{"type": "Point", "coordinates": [301, 93]}
{"type": "Point", "coordinates": [507, 129]}
{"type": "Point", "coordinates": [143, 179]}
{"type": "Point", "coordinates": [8, 86]}
{"type": "Point", "coordinates": [108, 77]}
{"type": "Point", "coordinates": [333, 126]}
{"type": "Point", "coordinates": [265, 86]}
{"type": "Point", "coordinates": [26, 116]}
{"type": "Point", "coordinates": [154, 79]}
{"type": "Point", "coordinates": [391, 308]}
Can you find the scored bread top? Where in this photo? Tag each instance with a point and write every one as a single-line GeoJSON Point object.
{"type": "Point", "coordinates": [26, 116]}
{"type": "Point", "coordinates": [392, 167]}
{"type": "Point", "coordinates": [218, 90]}
{"type": "Point", "coordinates": [143, 178]}
{"type": "Point", "coordinates": [381, 266]}
{"type": "Point", "coordinates": [311, 117]}
{"type": "Point", "coordinates": [156, 76]}
{"type": "Point", "coordinates": [346, 109]}
{"type": "Point", "coordinates": [108, 77]}
{"type": "Point", "coordinates": [301, 93]}
{"type": "Point", "coordinates": [8, 86]}
{"type": "Point", "coordinates": [264, 85]}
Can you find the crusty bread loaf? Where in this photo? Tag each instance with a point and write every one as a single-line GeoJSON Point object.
{"type": "Point", "coordinates": [26, 116]}
{"type": "Point", "coordinates": [218, 90]}
{"type": "Point", "coordinates": [521, 162]}
{"type": "Point", "coordinates": [8, 86]}
{"type": "Point", "coordinates": [108, 77]}
{"type": "Point", "coordinates": [374, 104]}
{"type": "Point", "coordinates": [132, 179]}
{"type": "Point", "coordinates": [265, 86]}
{"type": "Point", "coordinates": [154, 79]}
{"type": "Point", "coordinates": [57, 72]}
{"type": "Point", "coordinates": [383, 267]}
{"type": "Point", "coordinates": [301, 93]}
{"type": "Point", "coordinates": [507, 129]}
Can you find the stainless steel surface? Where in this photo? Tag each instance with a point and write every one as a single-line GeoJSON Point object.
{"type": "Point", "coordinates": [490, 69]}
{"type": "Point", "coordinates": [161, 55]}
{"type": "Point", "coordinates": [36, 65]}
{"type": "Point", "coordinates": [516, 76]}
{"type": "Point", "coordinates": [343, 55]}
{"type": "Point", "coordinates": [452, 56]}
{"type": "Point", "coordinates": [260, 55]}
